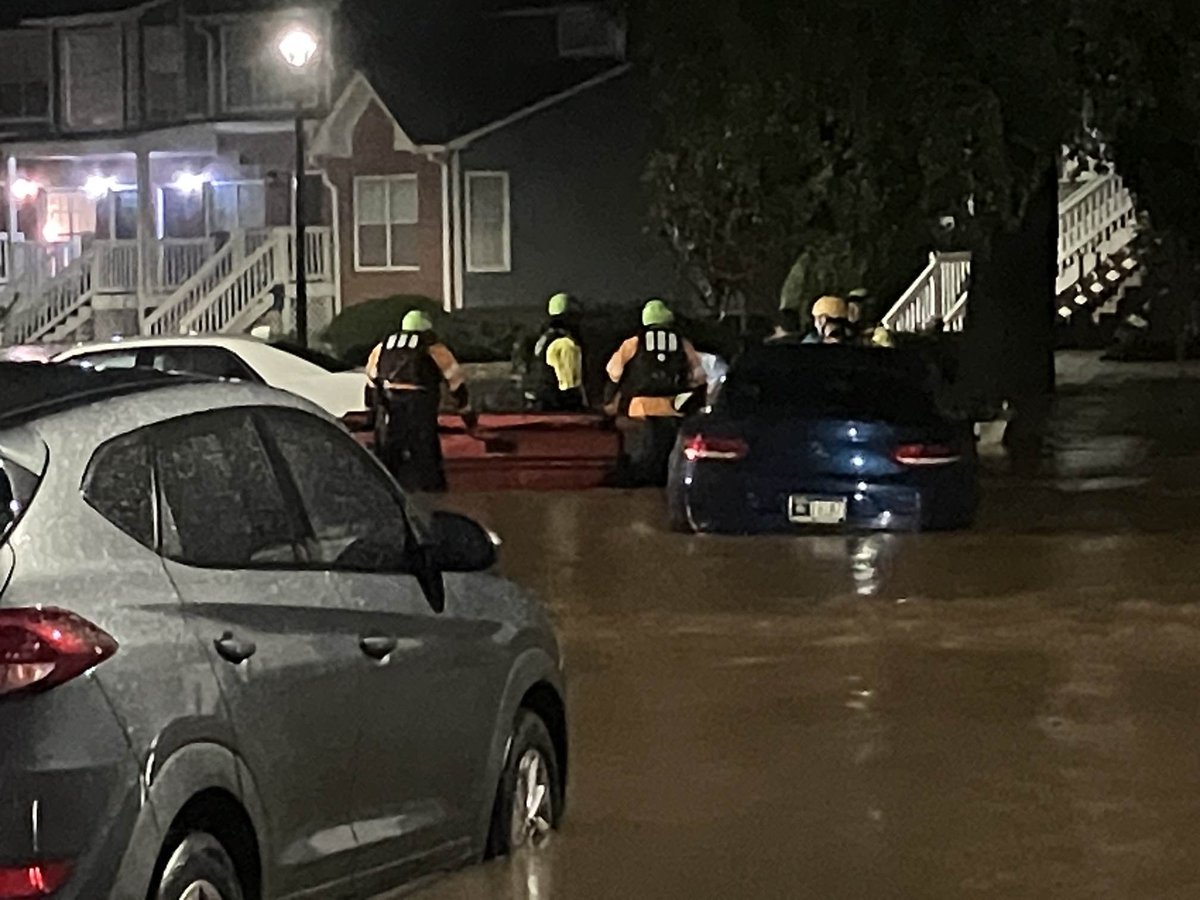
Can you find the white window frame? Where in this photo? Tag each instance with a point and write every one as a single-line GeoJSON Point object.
{"type": "Point", "coordinates": [384, 179]}
{"type": "Point", "coordinates": [506, 223]}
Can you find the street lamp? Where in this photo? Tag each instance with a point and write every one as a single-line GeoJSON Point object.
{"type": "Point", "coordinates": [299, 46]}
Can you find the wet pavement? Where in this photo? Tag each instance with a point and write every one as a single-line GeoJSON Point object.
{"type": "Point", "coordinates": [1008, 712]}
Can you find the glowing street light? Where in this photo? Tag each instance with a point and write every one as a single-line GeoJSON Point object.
{"type": "Point", "coordinates": [298, 47]}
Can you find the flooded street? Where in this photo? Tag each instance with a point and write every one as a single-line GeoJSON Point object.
{"type": "Point", "coordinates": [1007, 712]}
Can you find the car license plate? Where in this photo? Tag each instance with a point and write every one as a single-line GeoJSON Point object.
{"type": "Point", "coordinates": [817, 510]}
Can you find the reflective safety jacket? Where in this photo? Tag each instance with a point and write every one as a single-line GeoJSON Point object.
{"type": "Point", "coordinates": [413, 360]}
{"type": "Point", "coordinates": [654, 367]}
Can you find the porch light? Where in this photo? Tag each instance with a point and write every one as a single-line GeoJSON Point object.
{"type": "Point", "coordinates": [52, 233]}
{"type": "Point", "coordinates": [97, 187]}
{"type": "Point", "coordinates": [190, 182]}
{"type": "Point", "coordinates": [23, 189]}
{"type": "Point", "coordinates": [298, 46]}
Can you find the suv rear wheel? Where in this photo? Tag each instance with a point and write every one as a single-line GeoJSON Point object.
{"type": "Point", "coordinates": [529, 800]}
{"type": "Point", "coordinates": [199, 868]}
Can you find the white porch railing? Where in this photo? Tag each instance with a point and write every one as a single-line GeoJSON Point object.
{"type": "Point", "coordinates": [178, 259]}
{"type": "Point", "coordinates": [937, 294]}
{"type": "Point", "coordinates": [1094, 222]}
{"type": "Point", "coordinates": [246, 293]}
{"type": "Point", "coordinates": [56, 301]}
{"type": "Point", "coordinates": [237, 278]}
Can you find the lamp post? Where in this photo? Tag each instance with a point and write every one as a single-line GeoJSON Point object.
{"type": "Point", "coordinates": [298, 46]}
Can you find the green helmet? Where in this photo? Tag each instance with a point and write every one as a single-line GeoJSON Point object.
{"type": "Point", "coordinates": [559, 304]}
{"type": "Point", "coordinates": [416, 320]}
{"type": "Point", "coordinates": [657, 313]}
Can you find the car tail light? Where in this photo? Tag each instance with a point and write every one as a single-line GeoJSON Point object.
{"type": "Point", "coordinates": [925, 455]}
{"type": "Point", "coordinates": [43, 648]}
{"type": "Point", "coordinates": [33, 881]}
{"type": "Point", "coordinates": [699, 446]}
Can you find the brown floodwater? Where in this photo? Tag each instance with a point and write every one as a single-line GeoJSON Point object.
{"type": "Point", "coordinates": [1008, 712]}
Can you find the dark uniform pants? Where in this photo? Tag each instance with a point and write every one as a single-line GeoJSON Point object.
{"type": "Point", "coordinates": [411, 447]}
{"type": "Point", "coordinates": [554, 400]}
{"type": "Point", "coordinates": [648, 445]}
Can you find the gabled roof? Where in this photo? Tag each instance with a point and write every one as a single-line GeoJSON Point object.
{"type": "Point", "coordinates": [438, 111]}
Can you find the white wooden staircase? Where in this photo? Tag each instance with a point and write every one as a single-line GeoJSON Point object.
{"type": "Point", "coordinates": [195, 287]}
{"type": "Point", "coordinates": [1096, 233]}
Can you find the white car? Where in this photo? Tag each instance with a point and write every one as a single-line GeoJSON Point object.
{"type": "Point", "coordinates": [334, 386]}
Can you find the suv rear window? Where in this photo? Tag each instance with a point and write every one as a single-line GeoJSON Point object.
{"type": "Point", "coordinates": [17, 486]}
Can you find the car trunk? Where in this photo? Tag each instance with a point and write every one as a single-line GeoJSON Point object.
{"type": "Point", "coordinates": [837, 448]}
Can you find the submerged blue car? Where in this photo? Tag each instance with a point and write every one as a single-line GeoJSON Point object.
{"type": "Point", "coordinates": [805, 436]}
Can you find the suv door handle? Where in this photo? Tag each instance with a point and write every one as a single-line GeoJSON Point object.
{"type": "Point", "coordinates": [231, 649]}
{"type": "Point", "coordinates": [377, 646]}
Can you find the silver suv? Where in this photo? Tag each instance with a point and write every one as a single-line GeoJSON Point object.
{"type": "Point", "coordinates": [236, 663]}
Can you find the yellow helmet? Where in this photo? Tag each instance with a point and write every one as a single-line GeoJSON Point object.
{"type": "Point", "coordinates": [831, 308]}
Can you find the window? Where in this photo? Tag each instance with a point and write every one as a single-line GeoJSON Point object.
{"type": "Point", "coordinates": [590, 32]}
{"type": "Point", "coordinates": [163, 80]}
{"type": "Point", "coordinates": [215, 362]}
{"type": "Point", "coordinates": [386, 212]}
{"type": "Point", "coordinates": [489, 241]}
{"type": "Point", "coordinates": [234, 205]}
{"type": "Point", "coordinates": [356, 519]}
{"type": "Point", "coordinates": [119, 487]}
{"type": "Point", "coordinates": [68, 214]}
{"type": "Point", "coordinates": [221, 505]}
{"type": "Point", "coordinates": [24, 75]}
{"type": "Point", "coordinates": [93, 79]}
{"type": "Point", "coordinates": [182, 213]}
{"type": "Point", "coordinates": [117, 215]}
{"type": "Point", "coordinates": [257, 78]}
{"type": "Point", "coordinates": [106, 359]}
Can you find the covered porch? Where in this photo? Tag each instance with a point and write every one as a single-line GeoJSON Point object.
{"type": "Point", "coordinates": [142, 235]}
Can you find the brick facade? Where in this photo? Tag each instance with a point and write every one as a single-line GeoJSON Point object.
{"type": "Point", "coordinates": [375, 154]}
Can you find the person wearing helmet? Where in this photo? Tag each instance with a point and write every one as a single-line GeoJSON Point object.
{"type": "Point", "coordinates": [404, 379]}
{"type": "Point", "coordinates": [826, 310]}
{"type": "Point", "coordinates": [648, 375]}
{"type": "Point", "coordinates": [554, 382]}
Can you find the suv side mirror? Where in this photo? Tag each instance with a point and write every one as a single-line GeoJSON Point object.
{"type": "Point", "coordinates": [461, 544]}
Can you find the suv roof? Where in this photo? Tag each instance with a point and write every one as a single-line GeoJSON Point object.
{"type": "Point", "coordinates": [28, 390]}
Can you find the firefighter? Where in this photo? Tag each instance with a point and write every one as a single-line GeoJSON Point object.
{"type": "Point", "coordinates": [648, 376]}
{"type": "Point", "coordinates": [824, 311]}
{"type": "Point", "coordinates": [405, 374]}
{"type": "Point", "coordinates": [554, 382]}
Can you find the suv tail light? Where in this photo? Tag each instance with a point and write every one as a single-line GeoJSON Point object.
{"type": "Point", "coordinates": [925, 455]}
{"type": "Point", "coordinates": [698, 446]}
{"type": "Point", "coordinates": [33, 881]}
{"type": "Point", "coordinates": [43, 648]}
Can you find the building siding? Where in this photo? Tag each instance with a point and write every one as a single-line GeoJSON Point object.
{"type": "Point", "coordinates": [577, 204]}
{"type": "Point", "coordinates": [375, 154]}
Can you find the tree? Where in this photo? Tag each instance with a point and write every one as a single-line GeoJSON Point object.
{"type": "Point", "coordinates": [869, 123]}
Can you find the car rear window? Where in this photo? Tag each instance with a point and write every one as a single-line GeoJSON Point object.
{"type": "Point", "coordinates": [17, 486]}
{"type": "Point", "coordinates": [828, 391]}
